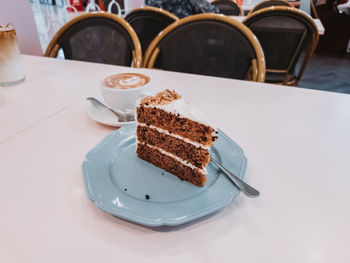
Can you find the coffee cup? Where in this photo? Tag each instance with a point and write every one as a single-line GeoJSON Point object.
{"type": "Point", "coordinates": [120, 91]}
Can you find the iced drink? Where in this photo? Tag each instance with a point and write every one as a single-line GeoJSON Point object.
{"type": "Point", "coordinates": [11, 66]}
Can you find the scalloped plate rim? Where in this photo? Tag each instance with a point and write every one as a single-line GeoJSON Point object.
{"type": "Point", "coordinates": [122, 213]}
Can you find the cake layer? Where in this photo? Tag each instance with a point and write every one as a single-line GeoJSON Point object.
{"type": "Point", "coordinates": [197, 156]}
{"type": "Point", "coordinates": [175, 135]}
{"type": "Point", "coordinates": [171, 165]}
{"type": "Point", "coordinates": [187, 128]}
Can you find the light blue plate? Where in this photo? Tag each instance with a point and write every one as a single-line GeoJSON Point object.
{"type": "Point", "coordinates": [118, 182]}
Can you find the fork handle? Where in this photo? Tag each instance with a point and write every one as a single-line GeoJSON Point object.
{"type": "Point", "coordinates": [244, 187]}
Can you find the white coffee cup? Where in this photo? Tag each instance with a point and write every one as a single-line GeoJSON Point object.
{"type": "Point", "coordinates": [121, 91]}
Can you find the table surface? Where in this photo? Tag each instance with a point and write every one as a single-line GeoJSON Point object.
{"type": "Point", "coordinates": [296, 141]}
{"type": "Point", "coordinates": [318, 23]}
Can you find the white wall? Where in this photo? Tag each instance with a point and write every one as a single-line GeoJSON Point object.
{"type": "Point", "coordinates": [19, 13]}
{"type": "Point", "coordinates": [132, 4]}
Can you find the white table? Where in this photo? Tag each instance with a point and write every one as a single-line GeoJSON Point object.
{"type": "Point", "coordinates": [296, 141]}
{"type": "Point", "coordinates": [318, 23]}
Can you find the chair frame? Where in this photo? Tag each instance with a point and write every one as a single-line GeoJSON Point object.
{"type": "Point", "coordinates": [287, 80]}
{"type": "Point", "coordinates": [241, 13]}
{"type": "Point", "coordinates": [263, 2]}
{"type": "Point", "coordinates": [313, 11]}
{"type": "Point", "coordinates": [154, 9]}
{"type": "Point", "coordinates": [258, 65]}
{"type": "Point", "coordinates": [151, 9]}
{"type": "Point", "coordinates": [53, 47]}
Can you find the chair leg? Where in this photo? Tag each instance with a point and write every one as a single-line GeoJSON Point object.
{"type": "Point", "coordinates": [286, 79]}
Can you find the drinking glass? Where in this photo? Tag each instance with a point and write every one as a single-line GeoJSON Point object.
{"type": "Point", "coordinates": [11, 66]}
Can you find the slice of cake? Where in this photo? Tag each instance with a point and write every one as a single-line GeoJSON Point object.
{"type": "Point", "coordinates": [173, 136]}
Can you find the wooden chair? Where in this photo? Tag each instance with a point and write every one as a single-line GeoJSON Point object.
{"type": "Point", "coordinates": [228, 7]}
{"type": "Point", "coordinates": [288, 38]}
{"type": "Point", "coordinates": [97, 37]}
{"type": "Point", "coordinates": [208, 44]}
{"type": "Point", "coordinates": [148, 21]}
{"type": "Point", "coordinates": [268, 3]}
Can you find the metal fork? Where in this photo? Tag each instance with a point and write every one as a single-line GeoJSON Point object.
{"type": "Point", "coordinates": [244, 187]}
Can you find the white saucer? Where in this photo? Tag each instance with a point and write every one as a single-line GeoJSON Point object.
{"type": "Point", "coordinates": [104, 116]}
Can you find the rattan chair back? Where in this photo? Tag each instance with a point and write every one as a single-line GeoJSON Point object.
{"type": "Point", "coordinates": [288, 38]}
{"type": "Point", "coordinates": [97, 37]}
{"type": "Point", "coordinates": [208, 44]}
{"type": "Point", "coordinates": [148, 21]}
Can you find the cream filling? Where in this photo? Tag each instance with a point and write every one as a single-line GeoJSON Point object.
{"type": "Point", "coordinates": [206, 147]}
{"type": "Point", "coordinates": [203, 170]}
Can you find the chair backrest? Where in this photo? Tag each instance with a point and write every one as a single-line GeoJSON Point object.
{"type": "Point", "coordinates": [284, 34]}
{"type": "Point", "coordinates": [208, 44]}
{"type": "Point", "coordinates": [97, 37]}
{"type": "Point", "coordinates": [148, 21]}
{"type": "Point", "coordinates": [228, 7]}
{"type": "Point", "coordinates": [268, 3]}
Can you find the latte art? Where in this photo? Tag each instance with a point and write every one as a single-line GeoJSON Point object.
{"type": "Point", "coordinates": [120, 91]}
{"type": "Point", "coordinates": [126, 81]}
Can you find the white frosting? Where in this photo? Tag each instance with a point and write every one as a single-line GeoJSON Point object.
{"type": "Point", "coordinates": [206, 147]}
{"type": "Point", "coordinates": [181, 107]}
{"type": "Point", "coordinates": [203, 170]}
{"type": "Point", "coordinates": [184, 110]}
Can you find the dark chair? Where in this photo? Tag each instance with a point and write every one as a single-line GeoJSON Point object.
{"type": "Point", "coordinates": [268, 3]}
{"type": "Point", "coordinates": [208, 44]}
{"type": "Point", "coordinates": [97, 37]}
{"type": "Point", "coordinates": [147, 22]}
{"type": "Point", "coordinates": [288, 38]}
{"type": "Point", "coordinates": [228, 7]}
{"type": "Point", "coordinates": [337, 29]}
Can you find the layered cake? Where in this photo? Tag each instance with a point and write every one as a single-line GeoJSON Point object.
{"type": "Point", "coordinates": [174, 136]}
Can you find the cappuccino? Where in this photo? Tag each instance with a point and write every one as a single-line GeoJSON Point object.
{"type": "Point", "coordinates": [126, 81]}
{"type": "Point", "coordinates": [121, 91]}
{"type": "Point", "coordinates": [11, 67]}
